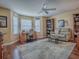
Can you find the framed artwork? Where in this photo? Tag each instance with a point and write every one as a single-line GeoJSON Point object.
{"type": "Point", "coordinates": [3, 21]}
{"type": "Point", "coordinates": [61, 23]}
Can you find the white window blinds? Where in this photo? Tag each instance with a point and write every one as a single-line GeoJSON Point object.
{"type": "Point", "coordinates": [26, 24]}
{"type": "Point", "coordinates": [37, 24]}
{"type": "Point", "coordinates": [15, 24]}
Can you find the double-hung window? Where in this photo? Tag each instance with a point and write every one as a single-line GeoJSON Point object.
{"type": "Point", "coordinates": [15, 25]}
{"type": "Point", "coordinates": [37, 24]}
{"type": "Point", "coordinates": [26, 24]}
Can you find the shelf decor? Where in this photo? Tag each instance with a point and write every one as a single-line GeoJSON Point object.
{"type": "Point", "coordinates": [3, 21]}
{"type": "Point", "coordinates": [76, 22]}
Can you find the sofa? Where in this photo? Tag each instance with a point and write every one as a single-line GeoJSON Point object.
{"type": "Point", "coordinates": [63, 34]}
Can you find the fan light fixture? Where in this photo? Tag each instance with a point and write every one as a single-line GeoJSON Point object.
{"type": "Point", "coordinates": [44, 8]}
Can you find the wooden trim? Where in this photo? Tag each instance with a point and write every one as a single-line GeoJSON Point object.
{"type": "Point", "coordinates": [10, 43]}
{"type": "Point", "coordinates": [4, 8]}
{"type": "Point", "coordinates": [41, 38]}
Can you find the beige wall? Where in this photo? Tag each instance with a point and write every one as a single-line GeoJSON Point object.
{"type": "Point", "coordinates": [9, 37]}
{"type": "Point", "coordinates": [68, 18]}
{"type": "Point", "coordinates": [42, 32]}
{"type": "Point", "coordinates": [44, 26]}
{"type": "Point", "coordinates": [6, 12]}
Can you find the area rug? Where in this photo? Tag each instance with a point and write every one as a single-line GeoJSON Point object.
{"type": "Point", "coordinates": [43, 49]}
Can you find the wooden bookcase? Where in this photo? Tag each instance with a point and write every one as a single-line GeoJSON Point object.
{"type": "Point", "coordinates": [49, 26]}
{"type": "Point", "coordinates": [76, 25]}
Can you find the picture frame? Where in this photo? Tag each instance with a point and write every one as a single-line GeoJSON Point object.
{"type": "Point", "coordinates": [3, 21]}
{"type": "Point", "coordinates": [61, 23]}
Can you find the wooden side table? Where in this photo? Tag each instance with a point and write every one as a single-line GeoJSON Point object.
{"type": "Point", "coordinates": [22, 38]}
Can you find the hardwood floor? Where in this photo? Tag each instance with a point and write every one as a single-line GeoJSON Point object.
{"type": "Point", "coordinates": [9, 50]}
{"type": "Point", "coordinates": [74, 54]}
{"type": "Point", "coordinates": [0, 52]}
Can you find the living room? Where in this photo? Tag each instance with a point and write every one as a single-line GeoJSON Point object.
{"type": "Point", "coordinates": [20, 19]}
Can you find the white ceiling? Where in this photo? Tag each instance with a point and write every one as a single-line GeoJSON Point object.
{"type": "Point", "coordinates": [32, 7]}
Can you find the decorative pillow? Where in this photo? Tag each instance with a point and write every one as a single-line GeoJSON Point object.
{"type": "Point", "coordinates": [58, 30]}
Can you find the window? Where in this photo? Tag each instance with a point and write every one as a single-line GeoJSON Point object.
{"type": "Point", "coordinates": [15, 25]}
{"type": "Point", "coordinates": [37, 24]}
{"type": "Point", "coordinates": [26, 25]}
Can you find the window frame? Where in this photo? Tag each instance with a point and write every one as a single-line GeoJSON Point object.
{"type": "Point", "coordinates": [14, 24]}
{"type": "Point", "coordinates": [27, 30]}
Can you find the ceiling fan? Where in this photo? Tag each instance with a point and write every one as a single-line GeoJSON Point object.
{"type": "Point", "coordinates": [45, 9]}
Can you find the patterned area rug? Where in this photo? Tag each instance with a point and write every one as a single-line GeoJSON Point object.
{"type": "Point", "coordinates": [43, 49]}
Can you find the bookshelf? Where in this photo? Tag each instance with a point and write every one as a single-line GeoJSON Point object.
{"type": "Point", "coordinates": [76, 25]}
{"type": "Point", "coordinates": [49, 26]}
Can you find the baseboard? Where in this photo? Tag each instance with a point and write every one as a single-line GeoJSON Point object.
{"type": "Point", "coordinates": [10, 43]}
{"type": "Point", "coordinates": [41, 38]}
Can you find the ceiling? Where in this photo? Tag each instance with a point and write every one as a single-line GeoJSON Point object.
{"type": "Point", "coordinates": [33, 7]}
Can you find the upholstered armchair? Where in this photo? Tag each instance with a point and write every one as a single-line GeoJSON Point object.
{"type": "Point", "coordinates": [63, 34]}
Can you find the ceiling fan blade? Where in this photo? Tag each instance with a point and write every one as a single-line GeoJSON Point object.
{"type": "Point", "coordinates": [40, 12]}
{"type": "Point", "coordinates": [43, 12]}
{"type": "Point", "coordinates": [44, 6]}
{"type": "Point", "coordinates": [50, 9]}
{"type": "Point", "coordinates": [46, 12]}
